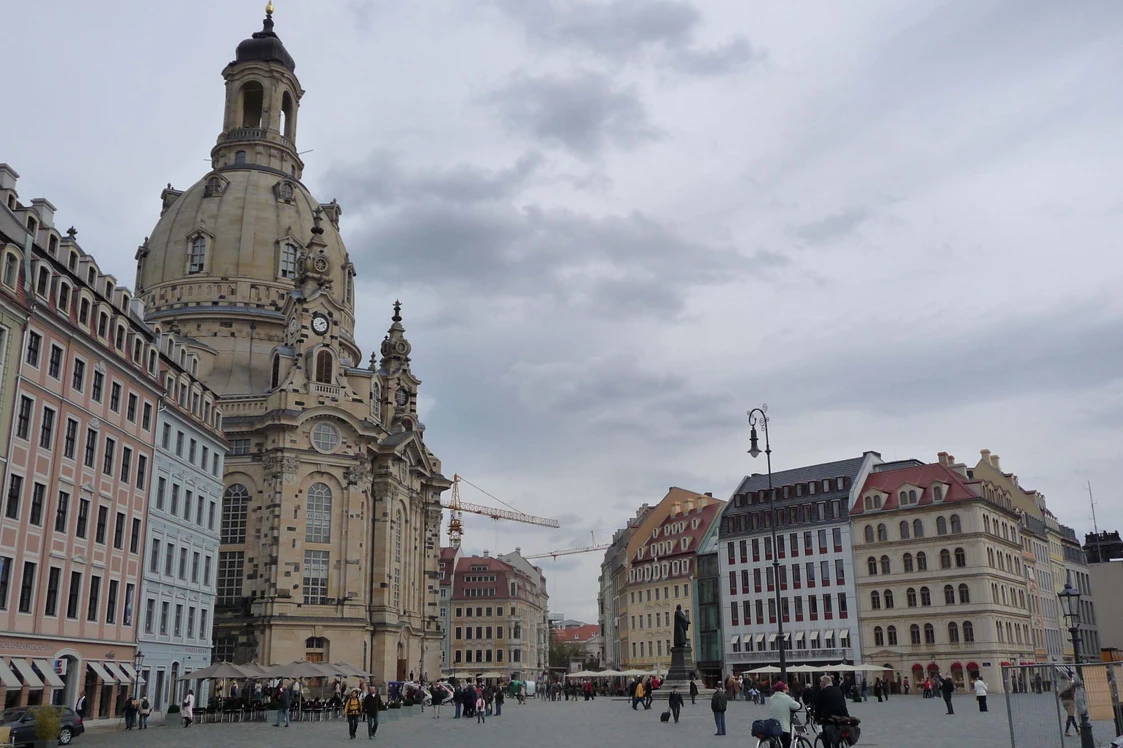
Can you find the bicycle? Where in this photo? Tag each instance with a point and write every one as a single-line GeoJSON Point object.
{"type": "Point", "coordinates": [800, 737]}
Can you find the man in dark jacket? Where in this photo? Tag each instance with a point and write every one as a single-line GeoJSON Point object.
{"type": "Point", "coordinates": [469, 701]}
{"type": "Point", "coordinates": [458, 700]}
{"type": "Point", "coordinates": [718, 703]}
{"type": "Point", "coordinates": [830, 702]}
{"type": "Point", "coordinates": [693, 691]}
{"type": "Point", "coordinates": [675, 702]}
{"type": "Point", "coordinates": [372, 705]}
{"type": "Point", "coordinates": [948, 688]}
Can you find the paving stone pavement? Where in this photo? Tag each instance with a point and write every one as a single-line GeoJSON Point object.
{"type": "Point", "coordinates": [901, 720]}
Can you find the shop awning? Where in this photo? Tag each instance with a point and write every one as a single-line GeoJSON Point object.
{"type": "Point", "coordinates": [844, 634]}
{"type": "Point", "coordinates": [972, 666]}
{"type": "Point", "coordinates": [799, 636]}
{"type": "Point", "coordinates": [48, 672]}
{"type": "Point", "coordinates": [918, 666]}
{"type": "Point", "coordinates": [771, 638]}
{"type": "Point", "coordinates": [735, 639]}
{"type": "Point", "coordinates": [956, 666]}
{"type": "Point", "coordinates": [759, 639]}
{"type": "Point", "coordinates": [813, 636]}
{"type": "Point", "coordinates": [101, 673]}
{"type": "Point", "coordinates": [30, 679]}
{"type": "Point", "coordinates": [112, 669]}
{"type": "Point", "coordinates": [130, 672]}
{"type": "Point", "coordinates": [828, 634]}
{"type": "Point", "coordinates": [7, 677]}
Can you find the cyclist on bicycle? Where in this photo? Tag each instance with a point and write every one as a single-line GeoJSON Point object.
{"type": "Point", "coordinates": [781, 706]}
{"type": "Point", "coordinates": [830, 705]}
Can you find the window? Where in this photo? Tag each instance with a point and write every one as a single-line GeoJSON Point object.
{"type": "Point", "coordinates": [925, 597]}
{"type": "Point", "coordinates": [183, 564]}
{"type": "Point", "coordinates": [914, 634]}
{"type": "Point", "coordinates": [154, 563]}
{"type": "Point", "coordinates": [102, 325]}
{"type": "Point", "coordinates": [288, 254]}
{"type": "Point", "coordinates": [198, 257]}
{"type": "Point", "coordinates": [921, 561]}
{"type": "Point", "coordinates": [165, 609]}
{"type": "Point", "coordinates": [885, 568]}
{"type": "Point", "coordinates": [95, 598]}
{"type": "Point", "coordinates": [191, 622]}
{"type": "Point", "coordinates": [61, 511]}
{"type": "Point", "coordinates": [929, 634]}
{"type": "Point", "coordinates": [23, 417]}
{"type": "Point", "coordinates": [836, 536]}
{"type": "Point", "coordinates": [111, 602]}
{"type": "Point", "coordinates": [904, 530]}
{"type": "Point", "coordinates": [27, 587]}
{"type": "Point", "coordinates": [84, 311]}
{"type": "Point", "coordinates": [47, 428]}
{"type": "Point", "coordinates": [119, 531]}
{"type": "Point", "coordinates": [323, 367]}
{"type": "Point", "coordinates": [64, 297]}
{"type": "Point", "coordinates": [888, 598]}
{"type": "Point", "coordinates": [949, 595]}
{"type": "Point", "coordinates": [50, 605]}
{"type": "Point", "coordinates": [235, 510]}
{"type": "Point", "coordinates": [11, 268]}
{"type": "Point", "coordinates": [54, 363]}
{"type": "Point", "coordinates": [99, 386]}
{"type": "Point", "coordinates": [126, 464]}
{"type": "Point", "coordinates": [38, 498]}
{"type": "Point", "coordinates": [141, 470]}
{"type": "Point", "coordinates": [941, 526]}
{"type": "Point", "coordinates": [910, 597]}
{"type": "Point", "coordinates": [229, 586]}
{"type": "Point", "coordinates": [70, 441]}
{"type": "Point", "coordinates": [917, 528]}
{"type": "Point", "coordinates": [15, 493]}
{"type": "Point", "coordinates": [315, 577]}
{"type": "Point", "coordinates": [102, 522]}
{"type": "Point", "coordinates": [34, 346]}
{"type": "Point", "coordinates": [968, 632]}
{"type": "Point", "coordinates": [83, 517]}
{"type": "Point", "coordinates": [78, 378]}
{"type": "Point", "coordinates": [130, 410]}
{"type": "Point", "coordinates": [239, 447]}
{"type": "Point", "coordinates": [178, 631]}
{"type": "Point", "coordinates": [882, 533]}
{"type": "Point", "coordinates": [134, 537]}
{"type": "Point", "coordinates": [956, 527]}
{"type": "Point", "coordinates": [146, 418]}
{"type": "Point", "coordinates": [875, 600]}
{"type": "Point", "coordinates": [207, 571]}
{"type": "Point", "coordinates": [960, 558]}
{"type": "Point", "coordinates": [149, 615]}
{"type": "Point", "coordinates": [953, 633]}
{"type": "Point", "coordinates": [964, 594]}
{"type": "Point", "coordinates": [945, 559]}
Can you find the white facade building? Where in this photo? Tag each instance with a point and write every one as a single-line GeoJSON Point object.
{"type": "Point", "coordinates": [176, 604]}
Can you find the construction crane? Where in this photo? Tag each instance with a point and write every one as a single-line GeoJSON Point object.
{"type": "Point", "coordinates": [456, 506]}
{"type": "Point", "coordinates": [571, 551]}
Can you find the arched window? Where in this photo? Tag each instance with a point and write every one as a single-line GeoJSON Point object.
{"type": "Point", "coordinates": [907, 559]}
{"type": "Point", "coordinates": [253, 101]}
{"type": "Point", "coordinates": [968, 632]}
{"type": "Point", "coordinates": [904, 530]}
{"type": "Point", "coordinates": [902, 498]}
{"type": "Point", "coordinates": [239, 158]}
{"type": "Point", "coordinates": [871, 563]}
{"type": "Point", "coordinates": [875, 600]}
{"type": "Point", "coordinates": [925, 597]}
{"type": "Point", "coordinates": [938, 493]}
{"type": "Point", "coordinates": [284, 191]}
{"type": "Point", "coordinates": [998, 630]}
{"type": "Point", "coordinates": [198, 257]}
{"type": "Point", "coordinates": [990, 557]}
{"type": "Point", "coordinates": [941, 526]}
{"type": "Point", "coordinates": [929, 634]}
{"type": "Point", "coordinates": [956, 527]}
{"type": "Point", "coordinates": [288, 260]}
{"type": "Point", "coordinates": [914, 634]}
{"type": "Point", "coordinates": [949, 595]}
{"type": "Point", "coordinates": [878, 636]}
{"type": "Point", "coordinates": [323, 367]}
{"type": "Point", "coordinates": [286, 115]}
{"type": "Point", "coordinates": [892, 635]}
{"type": "Point", "coordinates": [869, 533]}
{"type": "Point", "coordinates": [888, 598]}
{"type": "Point", "coordinates": [986, 523]}
{"type": "Point", "coordinates": [882, 533]}
{"type": "Point", "coordinates": [317, 528]}
{"type": "Point", "coordinates": [945, 559]}
{"type": "Point", "coordinates": [960, 558]}
{"type": "Point", "coordinates": [912, 496]}
{"type": "Point", "coordinates": [917, 527]}
{"type": "Point", "coordinates": [910, 597]}
{"type": "Point", "coordinates": [953, 633]}
{"type": "Point", "coordinates": [213, 188]}
{"type": "Point", "coordinates": [885, 565]}
{"type": "Point", "coordinates": [11, 270]}
{"type": "Point", "coordinates": [275, 377]}
{"type": "Point", "coordinates": [397, 579]}
{"type": "Point", "coordinates": [235, 510]}
{"type": "Point", "coordinates": [922, 561]}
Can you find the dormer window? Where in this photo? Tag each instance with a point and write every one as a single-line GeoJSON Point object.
{"type": "Point", "coordinates": [285, 191]}
{"type": "Point", "coordinates": [91, 276]}
{"type": "Point", "coordinates": [32, 226]}
{"type": "Point", "coordinates": [125, 302]}
{"type": "Point", "coordinates": [288, 260]}
{"type": "Point", "coordinates": [119, 341]}
{"type": "Point", "coordinates": [64, 297]}
{"type": "Point", "coordinates": [938, 493]}
{"type": "Point", "coordinates": [102, 325]}
{"type": "Point", "coordinates": [197, 259]}
{"type": "Point", "coordinates": [109, 290]}
{"type": "Point", "coordinates": [214, 187]}
{"type": "Point", "coordinates": [43, 282]}
{"type": "Point", "coordinates": [52, 246]}
{"type": "Point", "coordinates": [72, 265]}
{"type": "Point", "coordinates": [84, 312]}
{"type": "Point", "coordinates": [11, 270]}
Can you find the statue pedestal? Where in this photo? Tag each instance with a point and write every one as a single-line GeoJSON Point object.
{"type": "Point", "coordinates": [682, 665]}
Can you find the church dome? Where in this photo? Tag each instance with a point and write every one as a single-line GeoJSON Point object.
{"type": "Point", "coordinates": [265, 45]}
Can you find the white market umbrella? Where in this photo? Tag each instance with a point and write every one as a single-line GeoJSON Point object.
{"type": "Point", "coordinates": [769, 669]}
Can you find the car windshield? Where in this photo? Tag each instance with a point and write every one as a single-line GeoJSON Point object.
{"type": "Point", "coordinates": [12, 715]}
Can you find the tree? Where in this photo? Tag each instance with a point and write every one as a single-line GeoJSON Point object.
{"type": "Point", "coordinates": [563, 653]}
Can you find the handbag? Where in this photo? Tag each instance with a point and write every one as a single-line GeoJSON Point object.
{"type": "Point", "coordinates": [766, 728]}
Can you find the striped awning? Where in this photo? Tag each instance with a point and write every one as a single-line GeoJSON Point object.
{"type": "Point", "coordinates": [7, 677]}
{"type": "Point", "coordinates": [115, 671]}
{"type": "Point", "coordinates": [101, 673]}
{"type": "Point", "coordinates": [30, 679]}
{"type": "Point", "coordinates": [48, 672]}
{"type": "Point", "coordinates": [130, 673]}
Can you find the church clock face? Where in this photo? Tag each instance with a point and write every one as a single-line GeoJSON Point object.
{"type": "Point", "coordinates": [320, 324]}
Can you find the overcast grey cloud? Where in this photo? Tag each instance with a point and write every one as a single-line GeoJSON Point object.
{"type": "Point", "coordinates": [618, 224]}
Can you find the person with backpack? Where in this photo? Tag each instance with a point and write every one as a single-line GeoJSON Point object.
{"type": "Point", "coordinates": [282, 705]}
{"type": "Point", "coordinates": [353, 709]}
{"type": "Point", "coordinates": [131, 708]}
{"type": "Point", "coordinates": [145, 712]}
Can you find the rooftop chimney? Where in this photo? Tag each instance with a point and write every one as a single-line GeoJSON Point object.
{"type": "Point", "coordinates": [994, 461]}
{"type": "Point", "coordinates": [487, 554]}
{"type": "Point", "coordinates": [688, 505]}
{"type": "Point", "coordinates": [8, 177]}
{"type": "Point", "coordinates": [45, 210]}
{"type": "Point", "coordinates": [710, 494]}
{"type": "Point", "coordinates": [943, 458]}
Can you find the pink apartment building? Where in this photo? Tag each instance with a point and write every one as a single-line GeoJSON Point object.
{"type": "Point", "coordinates": [75, 487]}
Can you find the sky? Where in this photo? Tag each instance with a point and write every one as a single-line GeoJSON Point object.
{"type": "Point", "coordinates": [615, 226]}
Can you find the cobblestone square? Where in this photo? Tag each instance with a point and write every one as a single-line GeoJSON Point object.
{"type": "Point", "coordinates": [604, 721]}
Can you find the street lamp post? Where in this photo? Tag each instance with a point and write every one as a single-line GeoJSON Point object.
{"type": "Point", "coordinates": [138, 660]}
{"type": "Point", "coordinates": [1070, 604]}
{"type": "Point", "coordinates": [759, 417]}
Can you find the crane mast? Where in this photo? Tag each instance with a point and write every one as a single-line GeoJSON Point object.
{"type": "Point", "coordinates": [456, 507]}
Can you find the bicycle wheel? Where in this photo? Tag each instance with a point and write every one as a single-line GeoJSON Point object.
{"type": "Point", "coordinates": [820, 742]}
{"type": "Point", "coordinates": [801, 741]}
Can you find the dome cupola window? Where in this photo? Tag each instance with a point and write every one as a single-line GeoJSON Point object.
{"type": "Point", "coordinates": [284, 191]}
{"type": "Point", "coordinates": [323, 367]}
{"type": "Point", "coordinates": [253, 100]}
{"type": "Point", "coordinates": [325, 437]}
{"type": "Point", "coordinates": [215, 186]}
{"type": "Point", "coordinates": [197, 259]}
{"type": "Point", "coordinates": [239, 158]}
{"type": "Point", "coordinates": [287, 267]}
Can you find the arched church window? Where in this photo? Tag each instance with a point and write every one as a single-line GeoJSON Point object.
{"type": "Point", "coordinates": [235, 510]}
{"type": "Point", "coordinates": [197, 260]}
{"type": "Point", "coordinates": [288, 259]}
{"type": "Point", "coordinates": [323, 367]}
{"type": "Point", "coordinates": [253, 100]}
{"type": "Point", "coordinates": [286, 115]}
{"type": "Point", "coordinates": [213, 188]}
{"type": "Point", "coordinates": [284, 191]}
{"type": "Point", "coordinates": [318, 522]}
{"type": "Point", "coordinates": [239, 158]}
{"type": "Point", "coordinates": [275, 378]}
{"type": "Point", "coordinates": [397, 531]}
{"type": "Point", "coordinates": [11, 267]}
{"type": "Point", "coordinates": [325, 437]}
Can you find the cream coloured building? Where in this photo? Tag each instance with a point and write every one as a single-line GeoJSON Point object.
{"type": "Point", "coordinates": [330, 516]}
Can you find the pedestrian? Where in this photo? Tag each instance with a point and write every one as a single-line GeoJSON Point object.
{"type": "Point", "coordinates": [353, 709]}
{"type": "Point", "coordinates": [283, 702]}
{"type": "Point", "coordinates": [693, 691]}
{"type": "Point", "coordinates": [878, 690]}
{"type": "Point", "coordinates": [145, 711]}
{"type": "Point", "coordinates": [80, 705]}
{"type": "Point", "coordinates": [637, 693]}
{"type": "Point", "coordinates": [906, 686]}
{"type": "Point", "coordinates": [649, 694]}
{"type": "Point", "coordinates": [780, 708]}
{"type": "Point", "coordinates": [481, 709]}
{"type": "Point", "coordinates": [947, 688]}
{"type": "Point", "coordinates": [499, 697]}
{"type": "Point", "coordinates": [457, 700]}
{"type": "Point", "coordinates": [674, 701]}
{"type": "Point", "coordinates": [372, 705]}
{"type": "Point", "coordinates": [131, 709]}
{"type": "Point", "coordinates": [718, 703]}
{"type": "Point", "coordinates": [981, 693]}
{"type": "Point", "coordinates": [1068, 701]}
{"type": "Point", "coordinates": [866, 689]}
{"type": "Point", "coordinates": [187, 709]}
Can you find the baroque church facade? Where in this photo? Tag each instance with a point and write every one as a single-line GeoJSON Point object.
{"type": "Point", "coordinates": [331, 507]}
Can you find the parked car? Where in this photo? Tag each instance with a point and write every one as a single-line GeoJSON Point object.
{"type": "Point", "coordinates": [22, 721]}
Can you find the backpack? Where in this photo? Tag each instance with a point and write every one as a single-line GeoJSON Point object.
{"type": "Point", "coordinates": [766, 728]}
